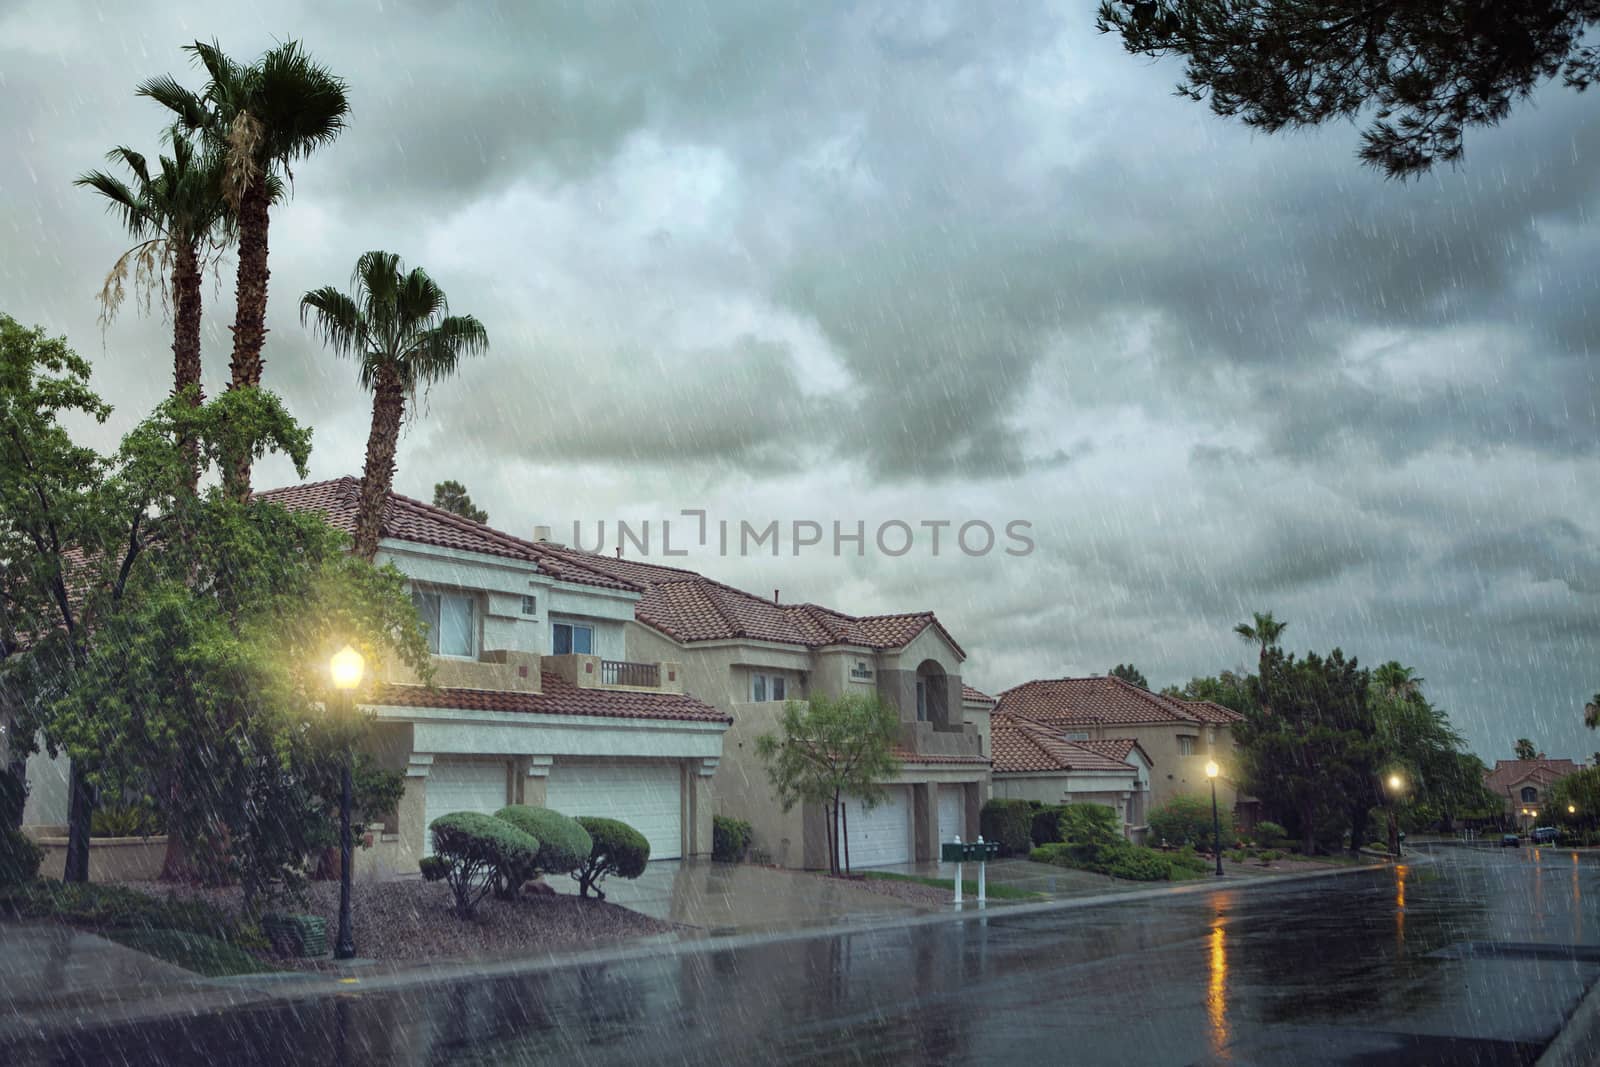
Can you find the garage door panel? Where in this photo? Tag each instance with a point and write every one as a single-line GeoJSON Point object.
{"type": "Point", "coordinates": [880, 835]}
{"type": "Point", "coordinates": [463, 785]}
{"type": "Point", "coordinates": [646, 796]}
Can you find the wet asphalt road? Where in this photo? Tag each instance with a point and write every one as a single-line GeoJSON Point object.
{"type": "Point", "coordinates": [1476, 958]}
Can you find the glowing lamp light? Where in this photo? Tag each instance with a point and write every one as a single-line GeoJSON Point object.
{"type": "Point", "coordinates": [347, 667]}
{"type": "Point", "coordinates": [1212, 770]}
{"type": "Point", "coordinates": [1572, 809]}
{"type": "Point", "coordinates": [1395, 783]}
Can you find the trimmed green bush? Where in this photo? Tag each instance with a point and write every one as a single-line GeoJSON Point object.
{"type": "Point", "coordinates": [563, 845]}
{"type": "Point", "coordinates": [1090, 824]}
{"type": "Point", "coordinates": [729, 838]}
{"type": "Point", "coordinates": [19, 857]}
{"type": "Point", "coordinates": [1138, 864]}
{"type": "Point", "coordinates": [1010, 823]}
{"type": "Point", "coordinates": [1189, 860]}
{"type": "Point", "coordinates": [1186, 820]}
{"type": "Point", "coordinates": [1271, 855]}
{"type": "Point", "coordinates": [478, 847]}
{"type": "Point", "coordinates": [433, 868]}
{"type": "Point", "coordinates": [1046, 825]}
{"type": "Point", "coordinates": [1120, 860]}
{"type": "Point", "coordinates": [618, 850]}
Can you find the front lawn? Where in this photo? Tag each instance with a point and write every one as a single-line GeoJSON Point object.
{"type": "Point", "coordinates": [968, 886]}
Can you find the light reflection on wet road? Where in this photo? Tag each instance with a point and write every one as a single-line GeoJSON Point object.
{"type": "Point", "coordinates": [1475, 958]}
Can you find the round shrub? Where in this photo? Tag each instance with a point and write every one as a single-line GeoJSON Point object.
{"type": "Point", "coordinates": [1270, 834]}
{"type": "Point", "coordinates": [433, 868]}
{"type": "Point", "coordinates": [1046, 826]}
{"type": "Point", "coordinates": [1138, 864]}
{"type": "Point", "coordinates": [1009, 822]}
{"type": "Point", "coordinates": [618, 849]}
{"type": "Point", "coordinates": [729, 838]}
{"type": "Point", "coordinates": [19, 857]}
{"type": "Point", "coordinates": [563, 843]}
{"type": "Point", "coordinates": [478, 847]}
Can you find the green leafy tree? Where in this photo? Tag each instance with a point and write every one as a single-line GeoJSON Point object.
{"type": "Point", "coordinates": [262, 117]}
{"type": "Point", "coordinates": [1525, 750]}
{"type": "Point", "coordinates": [398, 328]}
{"type": "Point", "coordinates": [1229, 689]}
{"type": "Point", "coordinates": [1130, 674]}
{"type": "Point", "coordinates": [1574, 801]}
{"type": "Point", "coordinates": [1314, 757]}
{"type": "Point", "coordinates": [452, 497]}
{"type": "Point", "coordinates": [1591, 714]}
{"type": "Point", "coordinates": [1425, 71]}
{"type": "Point", "coordinates": [828, 749]}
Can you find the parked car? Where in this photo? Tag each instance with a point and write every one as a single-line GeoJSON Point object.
{"type": "Point", "coordinates": [1510, 841]}
{"type": "Point", "coordinates": [1545, 835]}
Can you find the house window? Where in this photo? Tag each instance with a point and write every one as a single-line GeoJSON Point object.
{"type": "Point", "coordinates": [1077, 735]}
{"type": "Point", "coordinates": [1529, 794]}
{"type": "Point", "coordinates": [448, 618]}
{"type": "Point", "coordinates": [765, 687]}
{"type": "Point", "coordinates": [1186, 744]}
{"type": "Point", "coordinates": [569, 637]}
{"type": "Point", "coordinates": [922, 701]}
{"type": "Point", "coordinates": [530, 605]}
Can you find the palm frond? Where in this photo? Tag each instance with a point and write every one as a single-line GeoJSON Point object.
{"type": "Point", "coordinates": [131, 209]}
{"type": "Point", "coordinates": [171, 94]}
{"type": "Point", "coordinates": [301, 103]}
{"type": "Point", "coordinates": [338, 319]}
{"type": "Point", "coordinates": [418, 299]}
{"type": "Point", "coordinates": [438, 351]}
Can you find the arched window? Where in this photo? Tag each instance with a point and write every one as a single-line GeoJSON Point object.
{"type": "Point", "coordinates": [932, 702]}
{"type": "Point", "coordinates": [1529, 794]}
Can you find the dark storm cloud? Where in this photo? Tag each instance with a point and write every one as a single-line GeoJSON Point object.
{"type": "Point", "coordinates": [911, 257]}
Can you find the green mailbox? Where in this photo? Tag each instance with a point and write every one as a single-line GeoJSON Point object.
{"type": "Point", "coordinates": [968, 851]}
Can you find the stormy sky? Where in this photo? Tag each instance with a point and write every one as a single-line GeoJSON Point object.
{"type": "Point", "coordinates": [923, 262]}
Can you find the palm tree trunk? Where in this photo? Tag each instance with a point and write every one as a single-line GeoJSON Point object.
{"type": "Point", "coordinates": [388, 409]}
{"type": "Point", "coordinates": [250, 314]}
{"type": "Point", "coordinates": [186, 345]}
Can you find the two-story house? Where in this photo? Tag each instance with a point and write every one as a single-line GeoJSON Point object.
{"type": "Point", "coordinates": [747, 655]}
{"type": "Point", "coordinates": [1523, 785]}
{"type": "Point", "coordinates": [1167, 742]}
{"type": "Point", "coordinates": [539, 696]}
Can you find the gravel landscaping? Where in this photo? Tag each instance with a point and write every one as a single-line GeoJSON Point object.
{"type": "Point", "coordinates": [411, 920]}
{"type": "Point", "coordinates": [910, 892]}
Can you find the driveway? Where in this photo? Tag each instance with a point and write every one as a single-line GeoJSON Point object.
{"type": "Point", "coordinates": [727, 898]}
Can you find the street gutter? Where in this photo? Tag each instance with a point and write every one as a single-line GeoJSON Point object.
{"type": "Point", "coordinates": [251, 991]}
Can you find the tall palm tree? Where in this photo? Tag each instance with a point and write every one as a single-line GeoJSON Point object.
{"type": "Point", "coordinates": [397, 325]}
{"type": "Point", "coordinates": [180, 220]}
{"type": "Point", "coordinates": [1397, 681]}
{"type": "Point", "coordinates": [263, 116]}
{"type": "Point", "coordinates": [1264, 631]}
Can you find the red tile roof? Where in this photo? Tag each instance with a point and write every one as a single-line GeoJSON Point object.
{"type": "Point", "coordinates": [559, 698]}
{"type": "Point", "coordinates": [1209, 711]}
{"type": "Point", "coordinates": [905, 755]}
{"type": "Point", "coordinates": [1100, 699]}
{"type": "Point", "coordinates": [690, 607]}
{"type": "Point", "coordinates": [1117, 748]}
{"type": "Point", "coordinates": [1508, 773]}
{"type": "Point", "coordinates": [977, 696]}
{"type": "Point", "coordinates": [405, 519]}
{"type": "Point", "coordinates": [1022, 746]}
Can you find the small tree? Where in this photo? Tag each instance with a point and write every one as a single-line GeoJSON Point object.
{"type": "Point", "coordinates": [829, 749]}
{"type": "Point", "coordinates": [470, 850]}
{"type": "Point", "coordinates": [452, 497]}
{"type": "Point", "coordinates": [1130, 674]}
{"type": "Point", "coordinates": [617, 849]}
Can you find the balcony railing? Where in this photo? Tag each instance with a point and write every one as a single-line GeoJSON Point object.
{"type": "Point", "coordinates": [621, 672]}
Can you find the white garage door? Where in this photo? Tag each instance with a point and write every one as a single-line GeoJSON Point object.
{"type": "Point", "coordinates": [463, 785]}
{"type": "Point", "coordinates": [952, 813]}
{"type": "Point", "coordinates": [881, 835]}
{"type": "Point", "coordinates": [646, 796]}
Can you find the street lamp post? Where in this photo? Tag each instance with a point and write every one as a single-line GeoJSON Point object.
{"type": "Point", "coordinates": [1212, 770]}
{"type": "Point", "coordinates": [1396, 783]}
{"type": "Point", "coordinates": [346, 669]}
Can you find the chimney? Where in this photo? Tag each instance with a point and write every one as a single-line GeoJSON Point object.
{"type": "Point", "coordinates": [541, 534]}
{"type": "Point", "coordinates": [619, 549]}
{"type": "Point", "coordinates": [774, 596]}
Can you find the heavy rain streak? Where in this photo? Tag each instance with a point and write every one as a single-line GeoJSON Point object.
{"type": "Point", "coordinates": [800, 533]}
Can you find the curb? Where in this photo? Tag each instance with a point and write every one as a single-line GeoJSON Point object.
{"type": "Point", "coordinates": [1579, 1037]}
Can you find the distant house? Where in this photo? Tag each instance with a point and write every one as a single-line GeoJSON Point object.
{"type": "Point", "coordinates": [1523, 784]}
{"type": "Point", "coordinates": [1035, 761]}
{"type": "Point", "coordinates": [1173, 739]}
